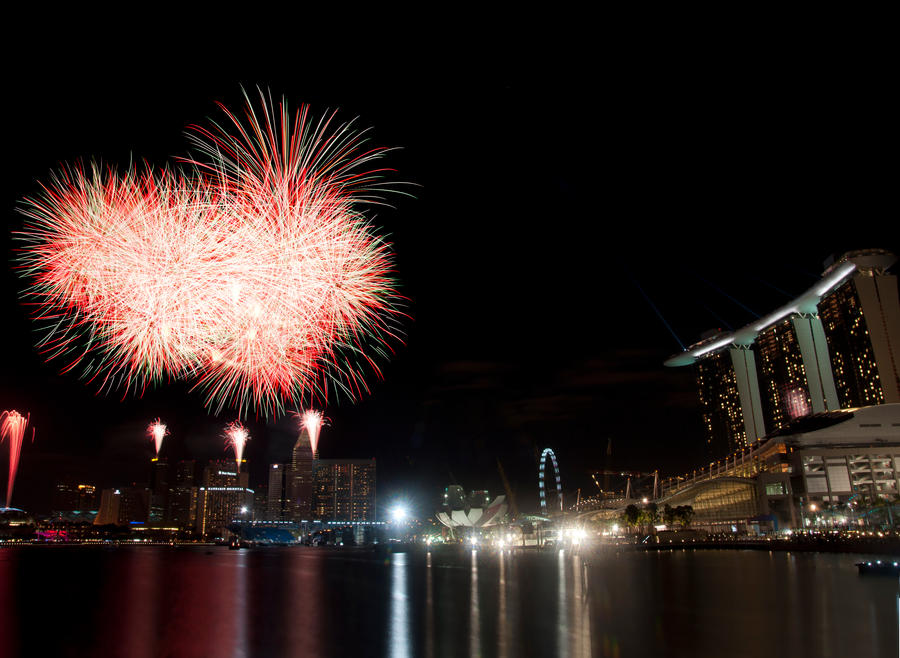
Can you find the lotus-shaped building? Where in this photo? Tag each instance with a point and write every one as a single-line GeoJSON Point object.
{"type": "Point", "coordinates": [474, 511]}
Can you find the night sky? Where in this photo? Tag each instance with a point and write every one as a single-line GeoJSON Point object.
{"type": "Point", "coordinates": [551, 191]}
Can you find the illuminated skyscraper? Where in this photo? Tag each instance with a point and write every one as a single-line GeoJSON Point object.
{"type": "Point", "coordinates": [183, 496]}
{"type": "Point", "coordinates": [782, 375]}
{"type": "Point", "coordinates": [300, 480]}
{"type": "Point", "coordinates": [862, 325]}
{"type": "Point", "coordinates": [222, 497]}
{"type": "Point", "coordinates": [344, 490]}
{"type": "Point", "coordinates": [71, 497]}
{"type": "Point", "coordinates": [128, 505]}
{"type": "Point", "coordinates": [835, 346]}
{"type": "Point", "coordinates": [275, 498]}
{"type": "Point", "coordinates": [729, 398]}
{"type": "Point", "coordinates": [159, 489]}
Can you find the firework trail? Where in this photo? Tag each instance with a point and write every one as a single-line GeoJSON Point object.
{"type": "Point", "coordinates": [313, 421]}
{"type": "Point", "coordinates": [13, 428]}
{"type": "Point", "coordinates": [236, 436]}
{"type": "Point", "coordinates": [157, 430]}
{"type": "Point", "coordinates": [250, 270]}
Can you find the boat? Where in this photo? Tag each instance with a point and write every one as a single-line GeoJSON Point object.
{"type": "Point", "coordinates": [879, 567]}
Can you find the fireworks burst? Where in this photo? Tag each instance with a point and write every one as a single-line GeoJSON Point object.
{"type": "Point", "coordinates": [157, 430]}
{"type": "Point", "coordinates": [312, 421]}
{"type": "Point", "coordinates": [250, 272]}
{"type": "Point", "coordinates": [236, 436]}
{"type": "Point", "coordinates": [13, 428]}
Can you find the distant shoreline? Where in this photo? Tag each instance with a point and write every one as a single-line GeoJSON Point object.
{"type": "Point", "coordinates": [884, 546]}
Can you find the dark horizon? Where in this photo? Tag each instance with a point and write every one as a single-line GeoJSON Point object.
{"type": "Point", "coordinates": [543, 220]}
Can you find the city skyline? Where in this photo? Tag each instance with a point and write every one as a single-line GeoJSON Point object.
{"type": "Point", "coordinates": [530, 323]}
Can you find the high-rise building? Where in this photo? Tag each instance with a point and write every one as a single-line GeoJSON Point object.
{"type": "Point", "coordinates": [782, 375]}
{"type": "Point", "coordinates": [862, 324]}
{"type": "Point", "coordinates": [87, 497]}
{"type": "Point", "coordinates": [72, 497]}
{"type": "Point", "coordinates": [835, 346]}
{"type": "Point", "coordinates": [182, 512]}
{"type": "Point", "coordinates": [109, 507]}
{"type": "Point", "coordinates": [300, 480]}
{"type": "Point", "coordinates": [128, 505]}
{"type": "Point", "coordinates": [159, 489]}
{"type": "Point", "coordinates": [718, 380]}
{"type": "Point", "coordinates": [275, 497]}
{"type": "Point", "coordinates": [344, 490]}
{"type": "Point", "coordinates": [223, 497]}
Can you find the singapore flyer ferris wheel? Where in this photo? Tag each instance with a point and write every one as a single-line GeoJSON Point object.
{"type": "Point", "coordinates": [542, 488]}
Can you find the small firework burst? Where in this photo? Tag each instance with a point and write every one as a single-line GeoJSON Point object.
{"type": "Point", "coordinates": [157, 431]}
{"type": "Point", "coordinates": [236, 436]}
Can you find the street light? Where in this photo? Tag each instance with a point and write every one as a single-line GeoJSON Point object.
{"type": "Point", "coordinates": [399, 514]}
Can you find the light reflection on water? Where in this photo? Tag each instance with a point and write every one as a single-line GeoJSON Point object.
{"type": "Point", "coordinates": [474, 610]}
{"type": "Point", "coordinates": [451, 601]}
{"type": "Point", "coordinates": [399, 633]}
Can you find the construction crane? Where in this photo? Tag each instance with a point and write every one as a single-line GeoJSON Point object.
{"type": "Point", "coordinates": [509, 494]}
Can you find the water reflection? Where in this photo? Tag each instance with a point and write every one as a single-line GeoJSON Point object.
{"type": "Point", "coordinates": [581, 613]}
{"type": "Point", "coordinates": [399, 640]}
{"type": "Point", "coordinates": [562, 614]}
{"type": "Point", "coordinates": [502, 632]}
{"type": "Point", "coordinates": [181, 603]}
{"type": "Point", "coordinates": [474, 610]}
{"type": "Point", "coordinates": [429, 607]}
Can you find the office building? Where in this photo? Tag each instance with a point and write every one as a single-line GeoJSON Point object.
{"type": "Point", "coordinates": [275, 497]}
{"type": "Point", "coordinates": [71, 497]}
{"type": "Point", "coordinates": [124, 506]}
{"type": "Point", "coordinates": [344, 490]}
{"type": "Point", "coordinates": [159, 489]}
{"type": "Point", "coordinates": [299, 504]}
{"type": "Point", "coordinates": [182, 510]}
{"type": "Point", "coordinates": [222, 498]}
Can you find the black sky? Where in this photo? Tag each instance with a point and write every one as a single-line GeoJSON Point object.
{"type": "Point", "coordinates": [551, 187]}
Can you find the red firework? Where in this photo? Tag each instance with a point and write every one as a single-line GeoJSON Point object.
{"type": "Point", "coordinates": [236, 436]}
{"type": "Point", "coordinates": [157, 431]}
{"type": "Point", "coordinates": [252, 273]}
{"type": "Point", "coordinates": [313, 421]}
{"type": "Point", "coordinates": [13, 429]}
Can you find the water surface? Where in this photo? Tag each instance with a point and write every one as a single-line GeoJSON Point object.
{"type": "Point", "coordinates": [200, 601]}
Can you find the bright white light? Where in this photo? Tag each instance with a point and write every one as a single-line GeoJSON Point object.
{"type": "Point", "coordinates": [644, 500]}
{"type": "Point", "coordinates": [399, 514]}
{"type": "Point", "coordinates": [244, 510]}
{"type": "Point", "coordinates": [615, 528]}
{"type": "Point", "coordinates": [474, 541]}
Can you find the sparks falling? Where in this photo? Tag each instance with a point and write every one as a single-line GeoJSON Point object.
{"type": "Point", "coordinates": [236, 436]}
{"type": "Point", "coordinates": [312, 422]}
{"type": "Point", "coordinates": [157, 431]}
{"type": "Point", "coordinates": [13, 428]}
{"type": "Point", "coordinates": [250, 270]}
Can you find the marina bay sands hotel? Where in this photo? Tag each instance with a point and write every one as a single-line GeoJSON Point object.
{"type": "Point", "coordinates": [836, 346]}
